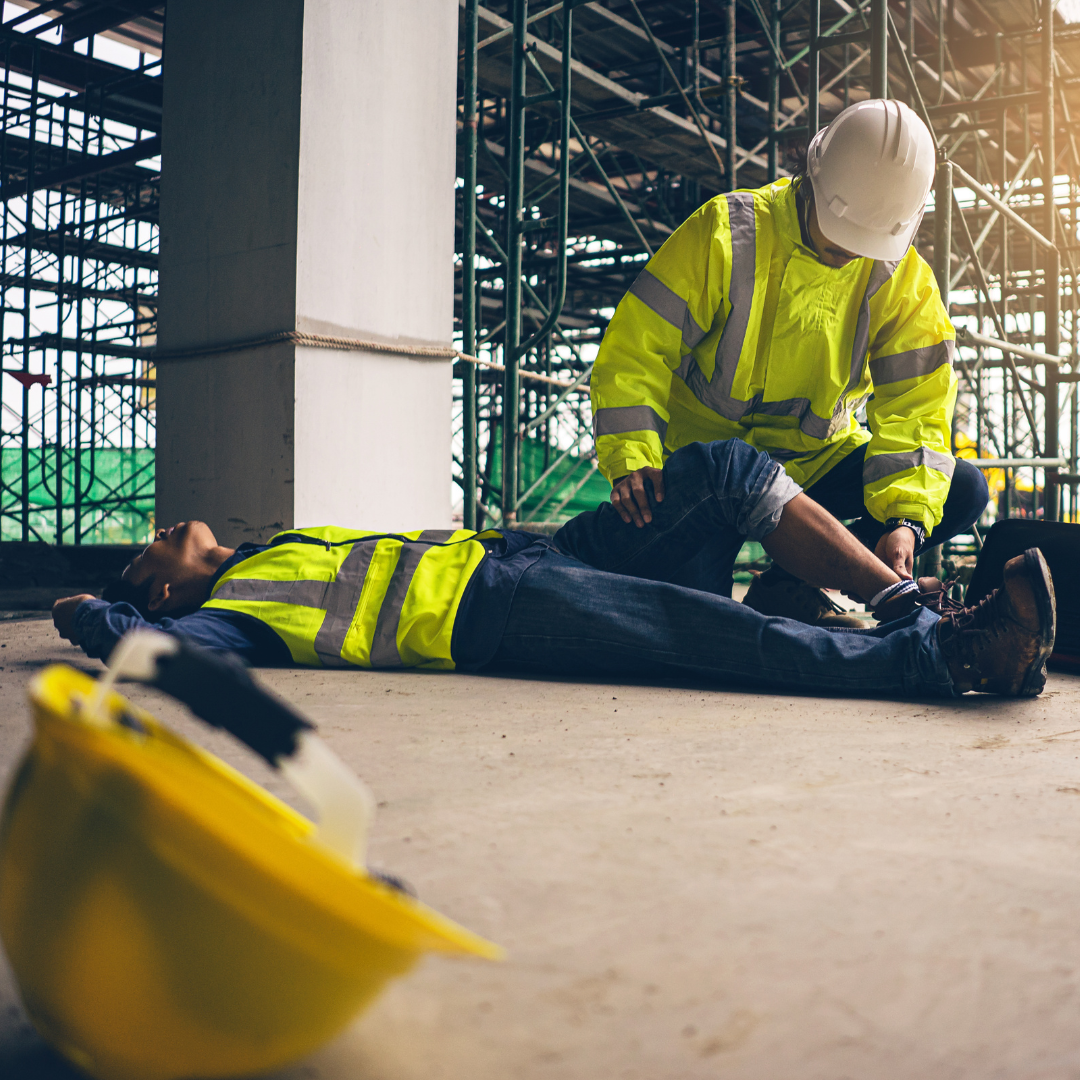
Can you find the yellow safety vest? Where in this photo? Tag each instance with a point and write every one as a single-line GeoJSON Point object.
{"type": "Point", "coordinates": [342, 597]}
{"type": "Point", "coordinates": [735, 330]}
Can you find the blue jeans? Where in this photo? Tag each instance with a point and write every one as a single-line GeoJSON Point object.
{"type": "Point", "coordinates": [602, 601]}
{"type": "Point", "coordinates": [840, 491]}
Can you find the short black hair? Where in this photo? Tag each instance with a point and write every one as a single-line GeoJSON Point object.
{"type": "Point", "coordinates": [121, 591]}
{"type": "Point", "coordinates": [797, 163]}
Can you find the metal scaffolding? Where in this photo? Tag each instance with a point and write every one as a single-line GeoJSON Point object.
{"type": "Point", "coordinates": [79, 170]}
{"type": "Point", "coordinates": [574, 174]}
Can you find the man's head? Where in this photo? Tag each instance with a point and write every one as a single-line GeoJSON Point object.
{"type": "Point", "coordinates": [171, 577]}
{"type": "Point", "coordinates": [871, 171]}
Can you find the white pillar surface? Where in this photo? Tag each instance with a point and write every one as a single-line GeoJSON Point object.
{"type": "Point", "coordinates": [308, 184]}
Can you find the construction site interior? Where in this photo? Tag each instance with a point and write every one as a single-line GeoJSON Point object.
{"type": "Point", "coordinates": [689, 882]}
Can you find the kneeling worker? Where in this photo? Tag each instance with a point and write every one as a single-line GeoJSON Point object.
{"type": "Point", "coordinates": [774, 316]}
{"type": "Point", "coordinates": [594, 600]}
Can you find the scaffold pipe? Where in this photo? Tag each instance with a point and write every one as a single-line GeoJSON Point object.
{"type": "Point", "coordinates": [967, 180]}
{"type": "Point", "coordinates": [1019, 463]}
{"type": "Point", "coordinates": [964, 336]}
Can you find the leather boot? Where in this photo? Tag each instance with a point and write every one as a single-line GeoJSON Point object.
{"type": "Point", "coordinates": [775, 592]}
{"type": "Point", "coordinates": [1000, 645]}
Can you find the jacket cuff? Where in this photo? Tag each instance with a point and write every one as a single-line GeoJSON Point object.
{"type": "Point", "coordinates": [913, 512]}
{"type": "Point", "coordinates": [613, 470]}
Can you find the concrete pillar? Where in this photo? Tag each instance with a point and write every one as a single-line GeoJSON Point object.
{"type": "Point", "coordinates": [308, 185]}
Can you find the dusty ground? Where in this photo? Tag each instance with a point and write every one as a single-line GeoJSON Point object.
{"type": "Point", "coordinates": [693, 883]}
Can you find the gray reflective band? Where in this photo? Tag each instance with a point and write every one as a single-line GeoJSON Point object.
{"type": "Point", "coordinates": [784, 455]}
{"type": "Point", "coordinates": [715, 393]}
{"type": "Point", "coordinates": [882, 465]}
{"type": "Point", "coordinates": [384, 650]}
{"type": "Point", "coordinates": [254, 590]}
{"type": "Point", "coordinates": [743, 227]}
{"type": "Point", "coordinates": [817, 427]}
{"type": "Point", "coordinates": [616, 421]}
{"type": "Point", "coordinates": [434, 536]}
{"type": "Point", "coordinates": [880, 272]}
{"type": "Point", "coordinates": [911, 364]}
{"type": "Point", "coordinates": [671, 307]}
{"type": "Point", "coordinates": [341, 600]}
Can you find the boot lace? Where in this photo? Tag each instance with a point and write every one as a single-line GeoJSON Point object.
{"type": "Point", "coordinates": [973, 627]}
{"type": "Point", "coordinates": [940, 602]}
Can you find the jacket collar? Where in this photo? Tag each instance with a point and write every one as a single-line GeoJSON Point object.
{"type": "Point", "coordinates": [786, 215]}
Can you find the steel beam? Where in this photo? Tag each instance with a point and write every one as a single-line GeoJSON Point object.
{"type": "Point", "coordinates": [1052, 263]}
{"type": "Point", "coordinates": [879, 48]}
{"type": "Point", "coordinates": [468, 274]}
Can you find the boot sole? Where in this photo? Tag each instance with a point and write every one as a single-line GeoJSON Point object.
{"type": "Point", "coordinates": [1042, 585]}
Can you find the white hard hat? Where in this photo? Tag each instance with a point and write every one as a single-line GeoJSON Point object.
{"type": "Point", "coordinates": [871, 170]}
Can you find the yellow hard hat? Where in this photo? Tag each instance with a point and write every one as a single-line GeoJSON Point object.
{"type": "Point", "coordinates": [166, 917]}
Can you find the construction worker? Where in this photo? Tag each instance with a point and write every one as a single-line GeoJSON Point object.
{"type": "Point", "coordinates": [595, 599]}
{"type": "Point", "coordinates": [774, 316]}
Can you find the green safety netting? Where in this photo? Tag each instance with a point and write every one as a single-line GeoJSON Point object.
{"type": "Point", "coordinates": [117, 495]}
{"type": "Point", "coordinates": [574, 478]}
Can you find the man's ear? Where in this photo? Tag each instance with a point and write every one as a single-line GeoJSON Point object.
{"type": "Point", "coordinates": [159, 596]}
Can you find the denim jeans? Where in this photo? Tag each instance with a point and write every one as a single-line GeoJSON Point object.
{"type": "Point", "coordinates": [602, 601]}
{"type": "Point", "coordinates": [840, 491]}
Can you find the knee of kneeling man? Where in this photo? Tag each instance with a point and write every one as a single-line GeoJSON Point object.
{"type": "Point", "coordinates": [969, 486]}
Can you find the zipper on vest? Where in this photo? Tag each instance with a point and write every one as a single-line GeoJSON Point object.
{"type": "Point", "coordinates": [299, 538]}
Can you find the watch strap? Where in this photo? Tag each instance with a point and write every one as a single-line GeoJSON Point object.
{"type": "Point", "coordinates": [915, 526]}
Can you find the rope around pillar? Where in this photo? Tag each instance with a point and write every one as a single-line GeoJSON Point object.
{"type": "Point", "coordinates": [323, 341]}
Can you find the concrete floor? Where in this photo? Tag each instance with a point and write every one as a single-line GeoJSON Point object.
{"type": "Point", "coordinates": [694, 883]}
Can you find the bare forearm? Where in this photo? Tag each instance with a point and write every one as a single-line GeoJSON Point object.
{"type": "Point", "coordinates": [811, 544]}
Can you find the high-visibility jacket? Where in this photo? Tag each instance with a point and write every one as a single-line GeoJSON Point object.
{"type": "Point", "coordinates": [341, 597]}
{"type": "Point", "coordinates": [735, 330]}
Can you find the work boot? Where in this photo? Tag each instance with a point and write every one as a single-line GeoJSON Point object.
{"type": "Point", "coordinates": [1000, 645]}
{"type": "Point", "coordinates": [775, 592]}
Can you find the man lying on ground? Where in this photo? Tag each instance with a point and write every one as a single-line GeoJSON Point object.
{"type": "Point", "coordinates": [593, 600]}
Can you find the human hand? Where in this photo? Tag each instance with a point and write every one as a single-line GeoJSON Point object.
{"type": "Point", "coordinates": [63, 616]}
{"type": "Point", "coordinates": [896, 550]}
{"type": "Point", "coordinates": [630, 499]}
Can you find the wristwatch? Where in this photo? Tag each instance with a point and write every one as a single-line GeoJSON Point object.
{"type": "Point", "coordinates": [915, 526]}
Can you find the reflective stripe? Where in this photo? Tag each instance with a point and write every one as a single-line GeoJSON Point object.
{"type": "Point", "coordinates": [341, 601]}
{"type": "Point", "coordinates": [913, 363]}
{"type": "Point", "coordinates": [715, 393]}
{"type": "Point", "coordinates": [882, 465]}
{"type": "Point", "coordinates": [817, 427]}
{"type": "Point", "coordinates": [784, 455]}
{"type": "Point", "coordinates": [254, 590]}
{"type": "Point", "coordinates": [743, 225]}
{"type": "Point", "coordinates": [880, 272]}
{"type": "Point", "coordinates": [384, 650]}
{"type": "Point", "coordinates": [615, 421]}
{"type": "Point", "coordinates": [671, 307]}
